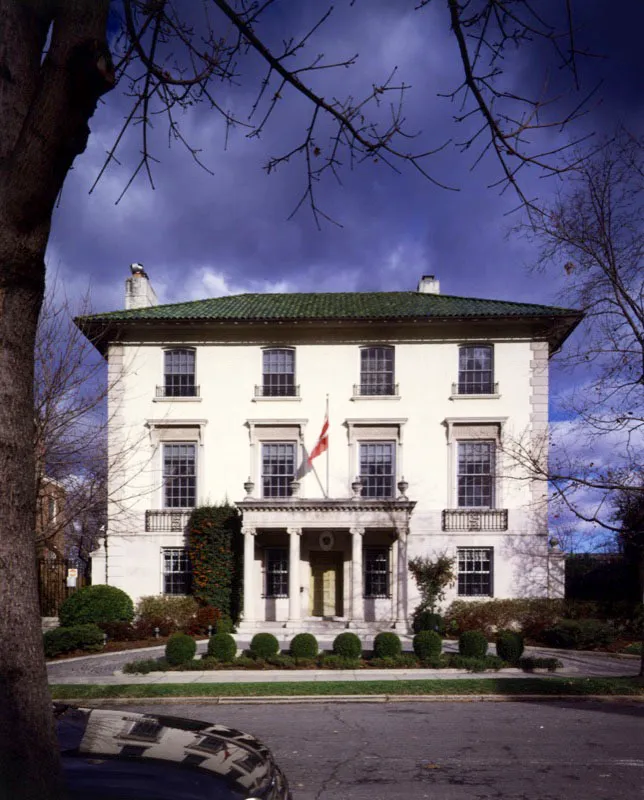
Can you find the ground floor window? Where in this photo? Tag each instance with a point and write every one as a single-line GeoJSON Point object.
{"type": "Point", "coordinates": [177, 575]}
{"type": "Point", "coordinates": [276, 573]}
{"type": "Point", "coordinates": [475, 571]}
{"type": "Point", "coordinates": [376, 572]}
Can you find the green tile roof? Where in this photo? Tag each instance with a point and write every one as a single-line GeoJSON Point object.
{"type": "Point", "coordinates": [330, 306]}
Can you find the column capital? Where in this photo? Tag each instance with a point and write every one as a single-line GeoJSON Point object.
{"type": "Point", "coordinates": [356, 531]}
{"type": "Point", "coordinates": [402, 531]}
{"type": "Point", "coordinates": [294, 531]}
{"type": "Point", "coordinates": [249, 531]}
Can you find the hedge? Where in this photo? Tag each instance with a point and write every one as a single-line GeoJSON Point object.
{"type": "Point", "coordinates": [77, 637]}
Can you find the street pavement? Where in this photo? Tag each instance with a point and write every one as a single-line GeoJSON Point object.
{"type": "Point", "coordinates": [537, 750]}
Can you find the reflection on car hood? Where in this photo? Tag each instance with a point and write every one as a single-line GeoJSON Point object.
{"type": "Point", "coordinates": [160, 748]}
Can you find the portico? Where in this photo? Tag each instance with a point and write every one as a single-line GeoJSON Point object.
{"type": "Point", "coordinates": [337, 561]}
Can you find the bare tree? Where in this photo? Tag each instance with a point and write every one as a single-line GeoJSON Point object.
{"type": "Point", "coordinates": [55, 65]}
{"type": "Point", "coordinates": [593, 236]}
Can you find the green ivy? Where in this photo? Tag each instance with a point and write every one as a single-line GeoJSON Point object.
{"type": "Point", "coordinates": [214, 544]}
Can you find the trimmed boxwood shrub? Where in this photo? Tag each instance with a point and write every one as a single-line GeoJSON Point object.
{"type": "Point", "coordinates": [427, 645]}
{"type": "Point", "coordinates": [222, 646]}
{"type": "Point", "coordinates": [472, 644]}
{"type": "Point", "coordinates": [96, 604]}
{"type": "Point", "coordinates": [264, 645]}
{"type": "Point", "coordinates": [304, 645]}
{"type": "Point", "coordinates": [387, 645]}
{"type": "Point", "coordinates": [76, 637]}
{"type": "Point", "coordinates": [347, 645]}
{"type": "Point", "coordinates": [428, 621]}
{"type": "Point", "coordinates": [180, 649]}
{"type": "Point", "coordinates": [509, 646]}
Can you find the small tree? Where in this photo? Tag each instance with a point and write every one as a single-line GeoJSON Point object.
{"type": "Point", "coordinates": [432, 576]}
{"type": "Point", "coordinates": [214, 534]}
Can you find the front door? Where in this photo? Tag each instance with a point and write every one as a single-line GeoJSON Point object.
{"type": "Point", "coordinates": [325, 596]}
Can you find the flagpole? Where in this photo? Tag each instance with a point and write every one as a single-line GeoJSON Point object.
{"type": "Point", "coordinates": [328, 453]}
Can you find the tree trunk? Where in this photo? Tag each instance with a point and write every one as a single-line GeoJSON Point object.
{"type": "Point", "coordinates": [29, 762]}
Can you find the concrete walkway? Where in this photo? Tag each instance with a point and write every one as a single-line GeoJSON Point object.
{"type": "Point", "coordinates": [106, 669]}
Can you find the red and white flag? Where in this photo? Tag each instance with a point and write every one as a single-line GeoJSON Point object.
{"type": "Point", "coordinates": [322, 443]}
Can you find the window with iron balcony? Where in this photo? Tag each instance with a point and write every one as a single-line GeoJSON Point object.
{"type": "Point", "coordinates": [377, 372]}
{"type": "Point", "coordinates": [475, 371]}
{"type": "Point", "coordinates": [278, 374]}
{"type": "Point", "coordinates": [178, 374]}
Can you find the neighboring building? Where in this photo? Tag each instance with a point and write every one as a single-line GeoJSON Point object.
{"type": "Point", "coordinates": [50, 519]}
{"type": "Point", "coordinates": [216, 399]}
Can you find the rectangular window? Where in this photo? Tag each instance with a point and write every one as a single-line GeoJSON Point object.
{"type": "Point", "coordinates": [279, 373]}
{"type": "Point", "coordinates": [476, 369]}
{"type": "Point", "coordinates": [377, 371]}
{"type": "Point", "coordinates": [476, 474]}
{"type": "Point", "coordinates": [475, 571]}
{"type": "Point", "coordinates": [376, 572]}
{"type": "Point", "coordinates": [276, 573]}
{"type": "Point", "coordinates": [177, 576]}
{"type": "Point", "coordinates": [179, 373]}
{"type": "Point", "coordinates": [278, 468]}
{"type": "Point", "coordinates": [179, 475]}
{"type": "Point", "coordinates": [377, 469]}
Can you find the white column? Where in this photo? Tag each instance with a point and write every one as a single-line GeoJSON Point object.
{"type": "Point", "coordinates": [357, 595]}
{"type": "Point", "coordinates": [249, 585]}
{"type": "Point", "coordinates": [394, 581]}
{"type": "Point", "coordinates": [294, 598]}
{"type": "Point", "coordinates": [402, 574]}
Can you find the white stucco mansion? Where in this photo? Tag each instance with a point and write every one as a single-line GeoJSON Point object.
{"type": "Point", "coordinates": [223, 399]}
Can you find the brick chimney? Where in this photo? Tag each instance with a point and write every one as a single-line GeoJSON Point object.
{"type": "Point", "coordinates": [429, 285]}
{"type": "Point", "coordinates": [138, 289]}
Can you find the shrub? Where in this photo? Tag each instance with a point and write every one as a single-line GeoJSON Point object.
{"type": "Point", "coordinates": [387, 645]}
{"type": "Point", "coordinates": [304, 645]}
{"type": "Point", "coordinates": [224, 625]}
{"type": "Point", "coordinates": [472, 644]}
{"type": "Point", "coordinates": [427, 645]}
{"type": "Point", "coordinates": [145, 666]}
{"type": "Point", "coordinates": [222, 646]}
{"type": "Point", "coordinates": [509, 646]}
{"type": "Point", "coordinates": [146, 628]}
{"type": "Point", "coordinates": [474, 663]}
{"type": "Point", "coordinates": [177, 613]}
{"type": "Point", "coordinates": [264, 645]}
{"type": "Point", "coordinates": [530, 615]}
{"type": "Point", "coordinates": [347, 645]}
{"type": "Point", "coordinates": [96, 604]}
{"type": "Point", "coordinates": [204, 619]}
{"type": "Point", "coordinates": [119, 631]}
{"type": "Point", "coordinates": [428, 621]}
{"type": "Point", "coordinates": [75, 637]}
{"type": "Point", "coordinates": [180, 649]}
{"type": "Point", "coordinates": [584, 634]}
{"type": "Point", "coordinates": [402, 661]}
{"type": "Point", "coordinates": [532, 663]}
{"type": "Point", "coordinates": [336, 661]}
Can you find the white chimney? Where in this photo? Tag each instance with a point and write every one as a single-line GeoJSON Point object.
{"type": "Point", "coordinates": [138, 289]}
{"type": "Point", "coordinates": [429, 285]}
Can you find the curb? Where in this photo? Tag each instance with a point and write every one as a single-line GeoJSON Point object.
{"type": "Point", "coordinates": [345, 699]}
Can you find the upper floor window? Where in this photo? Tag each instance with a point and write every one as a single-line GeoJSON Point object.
{"type": "Point", "coordinates": [475, 476]}
{"type": "Point", "coordinates": [476, 369]}
{"type": "Point", "coordinates": [376, 371]}
{"type": "Point", "coordinates": [179, 475]}
{"type": "Point", "coordinates": [278, 468]}
{"type": "Point", "coordinates": [179, 373]}
{"type": "Point", "coordinates": [377, 469]}
{"type": "Point", "coordinates": [376, 572]}
{"type": "Point", "coordinates": [278, 378]}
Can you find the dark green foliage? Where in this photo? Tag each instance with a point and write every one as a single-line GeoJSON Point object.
{"type": "Point", "coordinates": [347, 645]}
{"type": "Point", "coordinates": [432, 576]}
{"type": "Point", "coordinates": [76, 637]}
{"type": "Point", "coordinates": [584, 634]}
{"type": "Point", "coordinates": [222, 646]}
{"type": "Point", "coordinates": [96, 604]}
{"type": "Point", "coordinates": [509, 646]}
{"type": "Point", "coordinates": [474, 663]}
{"type": "Point", "coordinates": [427, 645]}
{"type": "Point", "coordinates": [386, 645]}
{"type": "Point", "coordinates": [428, 621]}
{"type": "Point", "coordinates": [180, 649]}
{"type": "Point", "coordinates": [603, 578]}
{"type": "Point", "coordinates": [531, 663]}
{"type": "Point", "coordinates": [337, 661]}
{"type": "Point", "coordinates": [264, 645]}
{"type": "Point", "coordinates": [215, 547]}
{"type": "Point", "coordinates": [472, 644]}
{"type": "Point", "coordinates": [119, 631]}
{"type": "Point", "coordinates": [224, 625]}
{"type": "Point", "coordinates": [402, 661]}
{"type": "Point", "coordinates": [304, 645]}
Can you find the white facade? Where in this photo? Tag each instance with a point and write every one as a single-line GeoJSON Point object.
{"type": "Point", "coordinates": [342, 556]}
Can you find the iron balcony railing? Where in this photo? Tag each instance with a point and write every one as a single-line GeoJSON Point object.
{"type": "Point", "coordinates": [375, 390]}
{"type": "Point", "coordinates": [475, 519]}
{"type": "Point", "coordinates": [266, 390]}
{"type": "Point", "coordinates": [167, 519]}
{"type": "Point", "coordinates": [178, 391]}
{"type": "Point", "coordinates": [482, 389]}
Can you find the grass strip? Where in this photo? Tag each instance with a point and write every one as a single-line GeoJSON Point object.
{"type": "Point", "coordinates": [485, 686]}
